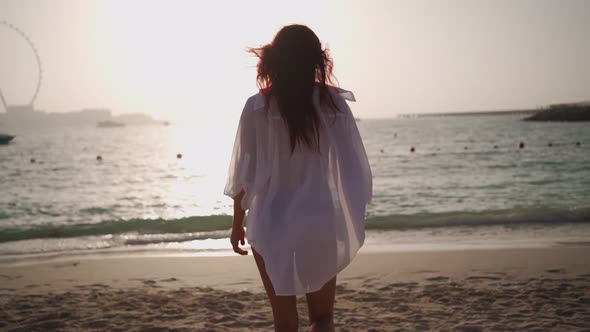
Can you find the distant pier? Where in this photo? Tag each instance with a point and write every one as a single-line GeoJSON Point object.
{"type": "Point", "coordinates": [579, 111]}
{"type": "Point", "coordinates": [471, 113]}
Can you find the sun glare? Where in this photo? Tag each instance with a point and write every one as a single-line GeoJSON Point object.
{"type": "Point", "coordinates": [187, 60]}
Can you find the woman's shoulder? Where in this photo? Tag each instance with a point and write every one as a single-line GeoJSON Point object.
{"type": "Point", "coordinates": [338, 92]}
{"type": "Point", "coordinates": [255, 102]}
{"type": "Point", "coordinates": [339, 96]}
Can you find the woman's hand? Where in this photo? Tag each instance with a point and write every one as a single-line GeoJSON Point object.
{"type": "Point", "coordinates": [237, 237]}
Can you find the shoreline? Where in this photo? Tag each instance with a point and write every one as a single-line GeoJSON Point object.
{"type": "Point", "coordinates": [220, 271]}
{"type": "Point", "coordinates": [456, 238]}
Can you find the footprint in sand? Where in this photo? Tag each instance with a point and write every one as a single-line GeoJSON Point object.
{"type": "Point", "coordinates": [555, 271]}
{"type": "Point", "coordinates": [74, 264]}
{"type": "Point", "coordinates": [404, 284]}
{"type": "Point", "coordinates": [99, 285]}
{"type": "Point", "coordinates": [483, 278]}
{"type": "Point", "coordinates": [469, 328]}
{"type": "Point", "coordinates": [426, 271]}
{"type": "Point", "coordinates": [438, 278]}
{"type": "Point", "coordinates": [150, 282]}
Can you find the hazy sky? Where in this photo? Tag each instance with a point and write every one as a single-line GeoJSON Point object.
{"type": "Point", "coordinates": [185, 60]}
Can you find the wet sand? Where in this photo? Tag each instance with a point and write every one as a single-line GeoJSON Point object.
{"type": "Point", "coordinates": [541, 289]}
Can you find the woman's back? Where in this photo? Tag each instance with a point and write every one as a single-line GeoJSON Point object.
{"type": "Point", "coordinates": [306, 206]}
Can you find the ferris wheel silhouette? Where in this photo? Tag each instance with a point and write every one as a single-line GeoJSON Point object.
{"type": "Point", "coordinates": [22, 34]}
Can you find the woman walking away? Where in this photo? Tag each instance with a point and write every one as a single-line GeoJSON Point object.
{"type": "Point", "coordinates": [300, 169]}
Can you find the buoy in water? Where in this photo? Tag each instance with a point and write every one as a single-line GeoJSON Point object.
{"type": "Point", "coordinates": [412, 149]}
{"type": "Point", "coordinates": [550, 144]}
{"type": "Point", "coordinates": [578, 143]}
{"type": "Point", "coordinates": [33, 160]}
{"type": "Point", "coordinates": [495, 146]}
{"type": "Point", "coordinates": [99, 158]}
{"type": "Point", "coordinates": [521, 145]}
{"type": "Point", "coordinates": [179, 156]}
{"type": "Point", "coordinates": [382, 151]}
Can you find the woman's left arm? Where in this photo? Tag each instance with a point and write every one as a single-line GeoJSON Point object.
{"type": "Point", "coordinates": [242, 173]}
{"type": "Point", "coordinates": [237, 230]}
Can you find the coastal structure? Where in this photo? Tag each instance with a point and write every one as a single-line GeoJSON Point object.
{"type": "Point", "coordinates": [579, 111]}
{"type": "Point", "coordinates": [470, 113]}
{"type": "Point", "coordinates": [110, 124]}
{"type": "Point", "coordinates": [24, 109]}
{"type": "Point", "coordinates": [17, 116]}
{"type": "Point", "coordinates": [24, 36]}
{"type": "Point", "coordinates": [24, 116]}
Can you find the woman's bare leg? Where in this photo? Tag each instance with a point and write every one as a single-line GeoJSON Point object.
{"type": "Point", "coordinates": [284, 308]}
{"type": "Point", "coordinates": [321, 308]}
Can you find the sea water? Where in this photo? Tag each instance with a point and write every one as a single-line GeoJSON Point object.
{"type": "Point", "coordinates": [87, 189]}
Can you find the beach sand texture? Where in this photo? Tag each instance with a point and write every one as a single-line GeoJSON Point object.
{"type": "Point", "coordinates": [543, 289]}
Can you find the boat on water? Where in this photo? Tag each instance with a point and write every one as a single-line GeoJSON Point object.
{"type": "Point", "coordinates": [110, 124]}
{"type": "Point", "coordinates": [5, 139]}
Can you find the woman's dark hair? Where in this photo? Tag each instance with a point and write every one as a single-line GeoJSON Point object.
{"type": "Point", "coordinates": [288, 69]}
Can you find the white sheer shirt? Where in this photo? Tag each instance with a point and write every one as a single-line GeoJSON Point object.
{"type": "Point", "coordinates": [305, 209]}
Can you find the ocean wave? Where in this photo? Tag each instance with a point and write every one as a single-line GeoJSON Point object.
{"type": "Point", "coordinates": [216, 226]}
{"type": "Point", "coordinates": [508, 217]}
{"type": "Point", "coordinates": [198, 224]}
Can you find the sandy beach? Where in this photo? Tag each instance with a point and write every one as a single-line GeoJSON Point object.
{"type": "Point", "coordinates": [540, 289]}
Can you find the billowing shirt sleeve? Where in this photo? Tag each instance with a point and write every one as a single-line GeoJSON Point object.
{"type": "Point", "coordinates": [353, 169]}
{"type": "Point", "coordinates": [360, 163]}
{"type": "Point", "coordinates": [250, 163]}
{"type": "Point", "coordinates": [241, 168]}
